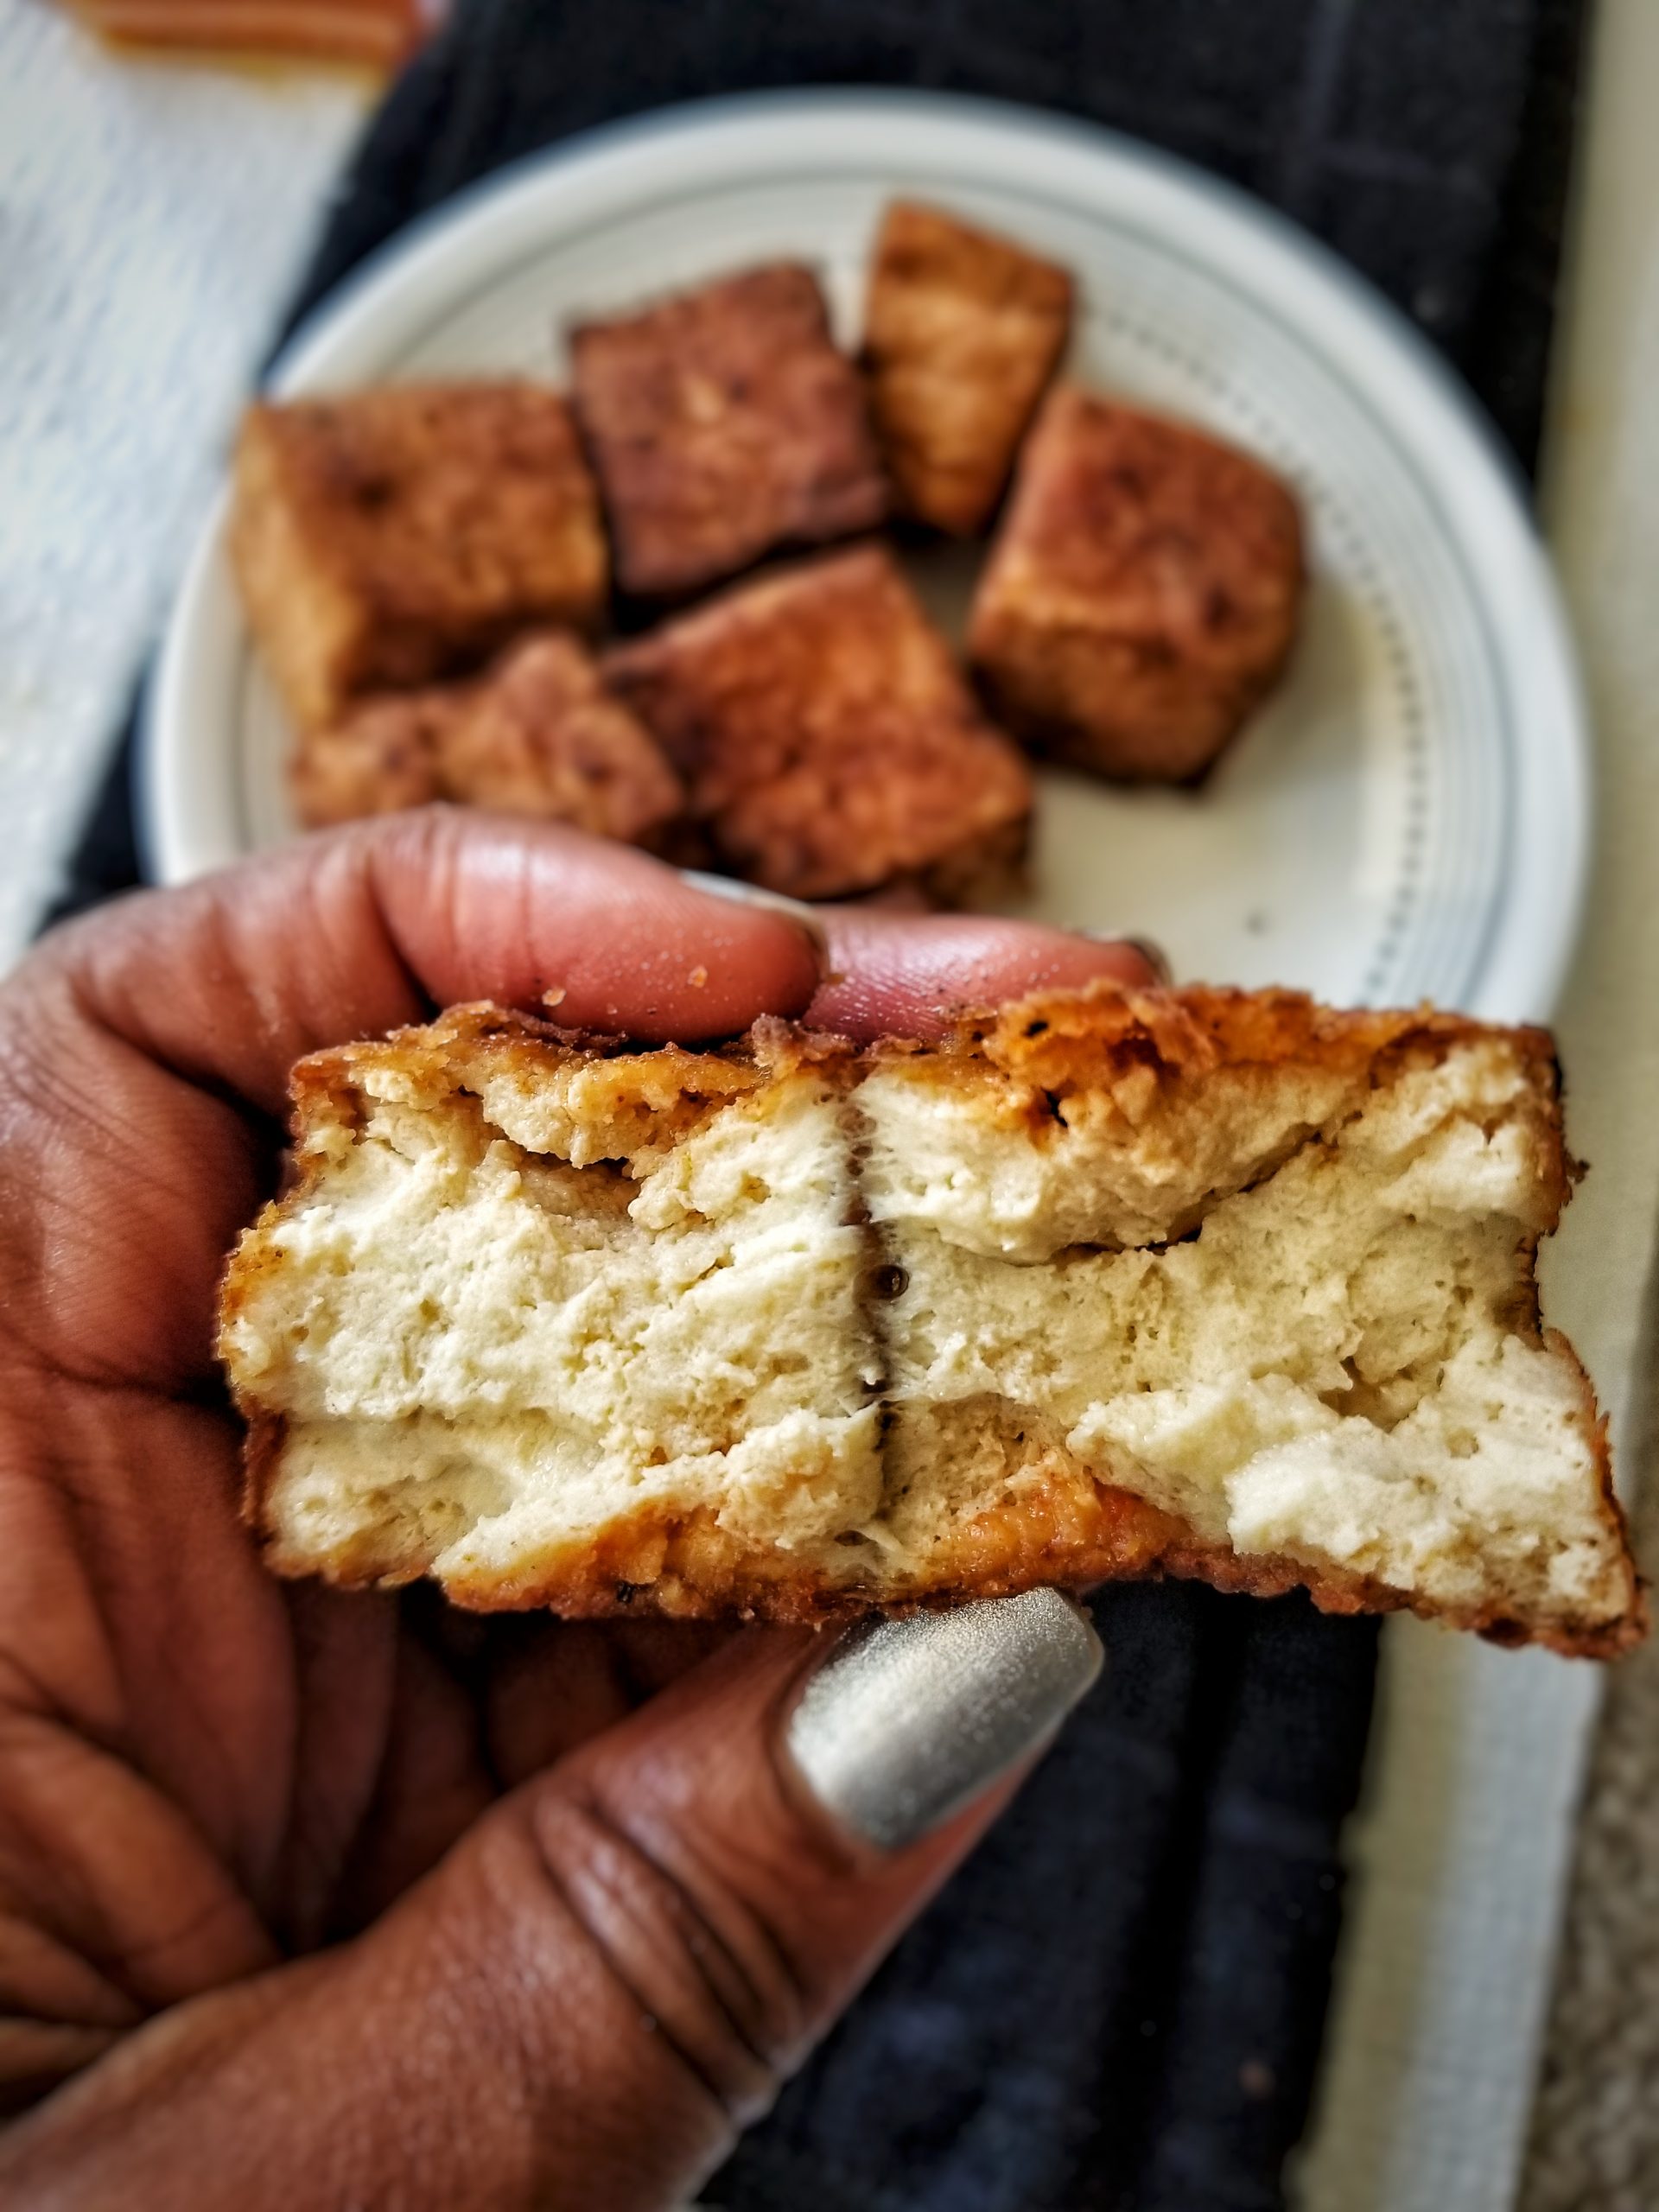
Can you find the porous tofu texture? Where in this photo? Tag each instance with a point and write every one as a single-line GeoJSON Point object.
{"type": "Point", "coordinates": [791, 1328]}
{"type": "Point", "coordinates": [1142, 593]}
{"type": "Point", "coordinates": [386, 537]}
{"type": "Point", "coordinates": [633, 1334]}
{"type": "Point", "coordinates": [962, 331]}
{"type": "Point", "coordinates": [539, 734]}
{"type": "Point", "coordinates": [724, 423]}
{"type": "Point", "coordinates": [827, 739]}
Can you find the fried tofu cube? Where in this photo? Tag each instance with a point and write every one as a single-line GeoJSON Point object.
{"type": "Point", "coordinates": [538, 734]}
{"type": "Point", "coordinates": [724, 423]}
{"type": "Point", "coordinates": [380, 759]}
{"type": "Point", "coordinates": [828, 741]}
{"type": "Point", "coordinates": [1142, 594]}
{"type": "Point", "coordinates": [387, 538]}
{"type": "Point", "coordinates": [545, 735]}
{"type": "Point", "coordinates": [962, 331]}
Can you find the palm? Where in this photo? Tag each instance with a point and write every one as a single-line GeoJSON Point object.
{"type": "Point", "coordinates": [202, 1769]}
{"type": "Point", "coordinates": [195, 1752]}
{"type": "Point", "coordinates": [278, 1762]}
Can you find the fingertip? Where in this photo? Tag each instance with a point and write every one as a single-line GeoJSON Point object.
{"type": "Point", "coordinates": [898, 975]}
{"type": "Point", "coordinates": [597, 935]}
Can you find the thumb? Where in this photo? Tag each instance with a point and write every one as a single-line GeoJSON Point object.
{"type": "Point", "coordinates": [614, 1971]}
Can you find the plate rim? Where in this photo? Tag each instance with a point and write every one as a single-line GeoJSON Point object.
{"type": "Point", "coordinates": [485, 225]}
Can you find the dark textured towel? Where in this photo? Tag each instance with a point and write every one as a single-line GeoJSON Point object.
{"type": "Point", "coordinates": [1118, 2002]}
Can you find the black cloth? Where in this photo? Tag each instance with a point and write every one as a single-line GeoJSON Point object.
{"type": "Point", "coordinates": [1118, 2002]}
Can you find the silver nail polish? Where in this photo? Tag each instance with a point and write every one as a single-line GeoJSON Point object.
{"type": "Point", "coordinates": [908, 1721]}
{"type": "Point", "coordinates": [771, 902]}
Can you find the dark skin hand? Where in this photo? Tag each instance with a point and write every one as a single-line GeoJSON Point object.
{"type": "Point", "coordinates": [318, 1899]}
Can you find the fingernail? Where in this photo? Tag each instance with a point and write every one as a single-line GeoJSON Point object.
{"type": "Point", "coordinates": [1155, 956]}
{"type": "Point", "coordinates": [908, 1721]}
{"type": "Point", "coordinates": [771, 902]}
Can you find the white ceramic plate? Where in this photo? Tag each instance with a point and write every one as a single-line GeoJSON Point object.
{"type": "Point", "coordinates": [1409, 818]}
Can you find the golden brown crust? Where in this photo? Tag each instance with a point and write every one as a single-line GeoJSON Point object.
{"type": "Point", "coordinates": [1080, 1037]}
{"type": "Point", "coordinates": [723, 423]}
{"type": "Point", "coordinates": [1052, 1043]}
{"type": "Point", "coordinates": [827, 742]}
{"type": "Point", "coordinates": [388, 536]}
{"type": "Point", "coordinates": [1067, 1535]}
{"type": "Point", "coordinates": [1077, 1035]}
{"type": "Point", "coordinates": [1022, 1059]}
{"type": "Point", "coordinates": [1143, 592]}
{"type": "Point", "coordinates": [961, 332]}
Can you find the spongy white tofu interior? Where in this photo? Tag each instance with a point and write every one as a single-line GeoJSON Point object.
{"type": "Point", "coordinates": [507, 1349]}
{"type": "Point", "coordinates": [1323, 1370]}
{"type": "Point", "coordinates": [501, 1353]}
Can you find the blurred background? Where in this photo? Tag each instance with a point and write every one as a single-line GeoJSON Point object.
{"type": "Point", "coordinates": [1409, 1952]}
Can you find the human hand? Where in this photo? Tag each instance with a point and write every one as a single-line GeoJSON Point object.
{"type": "Point", "coordinates": [317, 1899]}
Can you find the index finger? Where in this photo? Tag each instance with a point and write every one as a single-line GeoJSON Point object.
{"type": "Point", "coordinates": [230, 981]}
{"type": "Point", "coordinates": [893, 974]}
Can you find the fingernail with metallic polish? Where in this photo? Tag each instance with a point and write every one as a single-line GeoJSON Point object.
{"type": "Point", "coordinates": [772, 902]}
{"type": "Point", "coordinates": [908, 1721]}
{"type": "Point", "coordinates": [1155, 956]}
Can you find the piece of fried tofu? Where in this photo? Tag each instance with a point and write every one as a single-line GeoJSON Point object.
{"type": "Point", "coordinates": [380, 757]}
{"type": "Point", "coordinates": [545, 735]}
{"type": "Point", "coordinates": [827, 739]}
{"type": "Point", "coordinates": [538, 734]}
{"type": "Point", "coordinates": [1107, 1283]}
{"type": "Point", "coordinates": [1142, 594]}
{"type": "Point", "coordinates": [386, 537]}
{"type": "Point", "coordinates": [962, 331]}
{"type": "Point", "coordinates": [724, 423]}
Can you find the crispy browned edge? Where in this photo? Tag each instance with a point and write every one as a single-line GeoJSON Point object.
{"type": "Point", "coordinates": [1068, 1533]}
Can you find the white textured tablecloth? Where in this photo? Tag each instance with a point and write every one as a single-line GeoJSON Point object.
{"type": "Point", "coordinates": [153, 217]}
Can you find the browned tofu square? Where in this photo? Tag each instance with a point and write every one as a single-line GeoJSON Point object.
{"type": "Point", "coordinates": [545, 735]}
{"type": "Point", "coordinates": [538, 734]}
{"type": "Point", "coordinates": [1142, 594]}
{"type": "Point", "coordinates": [962, 331]}
{"type": "Point", "coordinates": [389, 537]}
{"type": "Point", "coordinates": [827, 739]}
{"type": "Point", "coordinates": [381, 756]}
{"type": "Point", "coordinates": [724, 423]}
